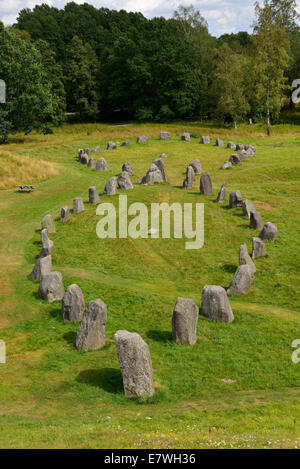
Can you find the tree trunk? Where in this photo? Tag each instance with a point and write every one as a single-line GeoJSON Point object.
{"type": "Point", "coordinates": [268, 123]}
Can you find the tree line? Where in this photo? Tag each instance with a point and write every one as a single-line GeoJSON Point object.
{"type": "Point", "coordinates": [100, 64]}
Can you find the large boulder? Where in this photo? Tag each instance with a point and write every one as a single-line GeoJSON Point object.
{"type": "Point", "coordinates": [164, 136]}
{"type": "Point", "coordinates": [153, 175]}
{"type": "Point", "coordinates": [186, 137]}
{"type": "Point", "coordinates": [51, 288]}
{"type": "Point", "coordinates": [258, 248]}
{"type": "Point", "coordinates": [235, 159]}
{"type": "Point", "coordinates": [124, 181]}
{"type": "Point", "coordinates": [245, 259]}
{"type": "Point", "coordinates": [111, 186]}
{"type": "Point", "coordinates": [219, 143]}
{"type": "Point", "coordinates": [78, 205]}
{"type": "Point", "coordinates": [102, 165]}
{"type": "Point", "coordinates": [142, 139]}
{"type": "Point", "coordinates": [72, 304]}
{"type": "Point", "coordinates": [196, 165]}
{"type": "Point", "coordinates": [64, 214]}
{"type": "Point", "coordinates": [206, 184]}
{"type": "Point", "coordinates": [242, 281]}
{"type": "Point", "coordinates": [248, 207]}
{"type": "Point", "coordinates": [222, 194]}
{"type": "Point", "coordinates": [161, 166]}
{"type": "Point", "coordinates": [235, 199]}
{"type": "Point", "coordinates": [94, 198]}
{"type": "Point", "coordinates": [111, 146]}
{"type": "Point", "coordinates": [128, 168]}
{"type": "Point", "coordinates": [43, 267]}
{"type": "Point", "coordinates": [189, 180]}
{"type": "Point", "coordinates": [184, 321]}
{"type": "Point", "coordinates": [91, 333]}
{"type": "Point", "coordinates": [215, 304]}
{"type": "Point", "coordinates": [256, 222]}
{"type": "Point", "coordinates": [48, 224]}
{"type": "Point", "coordinates": [205, 140]}
{"type": "Point", "coordinates": [269, 232]}
{"type": "Point", "coordinates": [135, 363]}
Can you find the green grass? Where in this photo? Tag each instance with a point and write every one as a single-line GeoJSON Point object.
{"type": "Point", "coordinates": [52, 396]}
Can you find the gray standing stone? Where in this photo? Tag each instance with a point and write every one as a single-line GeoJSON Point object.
{"type": "Point", "coordinates": [244, 155]}
{"type": "Point", "coordinates": [64, 214]}
{"type": "Point", "coordinates": [239, 147]}
{"type": "Point", "coordinates": [153, 175]}
{"type": "Point", "coordinates": [248, 207]}
{"type": "Point", "coordinates": [102, 165]}
{"type": "Point", "coordinates": [196, 165]}
{"type": "Point", "coordinates": [128, 168]}
{"type": "Point", "coordinates": [269, 232]}
{"type": "Point", "coordinates": [186, 137]}
{"type": "Point", "coordinates": [43, 267]}
{"type": "Point", "coordinates": [222, 194]}
{"type": "Point", "coordinates": [48, 224]}
{"type": "Point", "coordinates": [78, 205]}
{"type": "Point", "coordinates": [231, 145]}
{"type": "Point", "coordinates": [219, 143]}
{"type": "Point", "coordinates": [205, 140]}
{"type": "Point", "coordinates": [125, 144]}
{"type": "Point", "coordinates": [235, 199]}
{"type": "Point", "coordinates": [44, 235]}
{"type": "Point", "coordinates": [235, 159]}
{"type": "Point", "coordinates": [163, 155]}
{"type": "Point", "coordinates": [124, 181]}
{"type": "Point", "coordinates": [51, 288]}
{"type": "Point", "coordinates": [91, 333]}
{"type": "Point", "coordinates": [135, 363]}
{"type": "Point", "coordinates": [111, 186]}
{"type": "Point", "coordinates": [87, 151]}
{"type": "Point", "coordinates": [111, 146]}
{"type": "Point", "coordinates": [94, 198]}
{"type": "Point", "coordinates": [245, 259]}
{"type": "Point", "coordinates": [92, 163]}
{"type": "Point", "coordinates": [164, 136]}
{"type": "Point", "coordinates": [80, 153]}
{"type": "Point", "coordinates": [226, 165]}
{"type": "Point", "coordinates": [256, 222]}
{"type": "Point", "coordinates": [216, 305]}
{"type": "Point", "coordinates": [73, 304]}
{"type": "Point", "coordinates": [97, 149]}
{"type": "Point", "coordinates": [242, 281]}
{"type": "Point", "coordinates": [189, 180]}
{"type": "Point", "coordinates": [184, 321]}
{"type": "Point", "coordinates": [142, 139]}
{"type": "Point", "coordinates": [46, 249]}
{"type": "Point", "coordinates": [258, 248]}
{"type": "Point", "coordinates": [206, 184]}
{"type": "Point", "coordinates": [84, 159]}
{"type": "Point", "coordinates": [161, 166]}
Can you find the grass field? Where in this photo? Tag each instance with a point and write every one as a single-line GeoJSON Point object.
{"type": "Point", "coordinates": [52, 396]}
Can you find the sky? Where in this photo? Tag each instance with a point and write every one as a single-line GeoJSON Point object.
{"type": "Point", "coordinates": [223, 16]}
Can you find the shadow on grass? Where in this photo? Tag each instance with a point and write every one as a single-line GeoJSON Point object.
{"type": "Point", "coordinates": [160, 336]}
{"type": "Point", "coordinates": [230, 268]}
{"type": "Point", "coordinates": [108, 379]}
{"type": "Point", "coordinates": [70, 338]}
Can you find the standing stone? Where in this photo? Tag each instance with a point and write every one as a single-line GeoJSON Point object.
{"type": "Point", "coordinates": [196, 165]}
{"type": "Point", "coordinates": [84, 159]}
{"type": "Point", "coordinates": [64, 214]}
{"type": "Point", "coordinates": [124, 181]}
{"type": "Point", "coordinates": [51, 288]}
{"type": "Point", "coordinates": [215, 304]}
{"type": "Point", "coordinates": [128, 168]}
{"type": "Point", "coordinates": [258, 248]}
{"type": "Point", "coordinates": [161, 166]}
{"type": "Point", "coordinates": [235, 159]}
{"type": "Point", "coordinates": [245, 259]}
{"type": "Point", "coordinates": [44, 236]}
{"type": "Point", "coordinates": [219, 143]}
{"type": "Point", "coordinates": [72, 304]}
{"type": "Point", "coordinates": [102, 165]}
{"type": "Point", "coordinates": [48, 224]}
{"type": "Point", "coordinates": [43, 267]}
{"type": "Point", "coordinates": [226, 165]}
{"type": "Point", "coordinates": [222, 194]}
{"type": "Point", "coordinates": [92, 163]}
{"type": "Point", "coordinates": [142, 139]}
{"type": "Point", "coordinates": [231, 145]}
{"type": "Point", "coordinates": [78, 205]}
{"type": "Point", "coordinates": [244, 155]}
{"type": "Point", "coordinates": [46, 249]}
{"type": "Point", "coordinates": [248, 207]}
{"type": "Point", "coordinates": [269, 232]}
{"type": "Point", "coordinates": [184, 322]}
{"type": "Point", "coordinates": [97, 149]}
{"type": "Point", "coordinates": [239, 147]}
{"type": "Point", "coordinates": [205, 140]}
{"type": "Point", "coordinates": [206, 184]}
{"type": "Point", "coordinates": [189, 180]}
{"type": "Point", "coordinates": [163, 155]}
{"type": "Point", "coordinates": [91, 333]}
{"type": "Point", "coordinates": [153, 175]}
{"type": "Point", "coordinates": [256, 222]}
{"type": "Point", "coordinates": [111, 146]}
{"type": "Point", "coordinates": [135, 363]}
{"type": "Point", "coordinates": [94, 198]}
{"type": "Point", "coordinates": [87, 151]}
{"type": "Point", "coordinates": [80, 153]}
{"type": "Point", "coordinates": [125, 144]}
{"type": "Point", "coordinates": [186, 137]}
{"type": "Point", "coordinates": [164, 136]}
{"type": "Point", "coordinates": [242, 281]}
{"type": "Point", "coordinates": [235, 199]}
{"type": "Point", "coordinates": [111, 186]}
